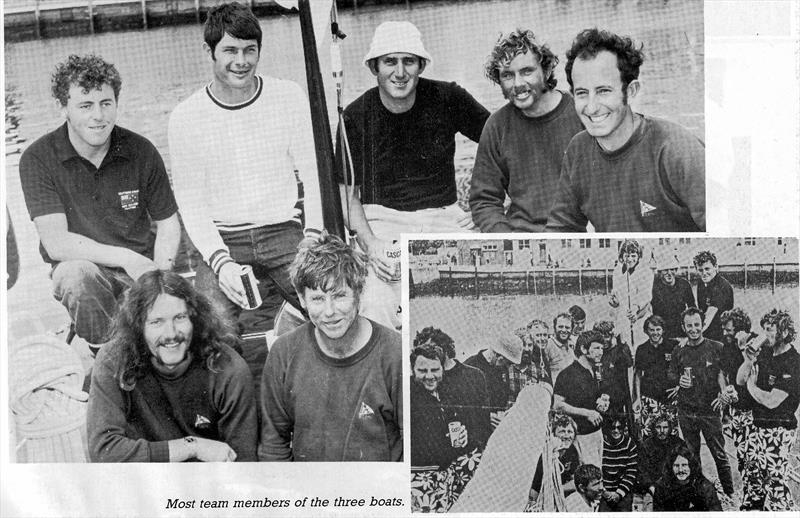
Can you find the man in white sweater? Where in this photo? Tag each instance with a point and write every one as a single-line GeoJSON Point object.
{"type": "Point", "coordinates": [235, 145]}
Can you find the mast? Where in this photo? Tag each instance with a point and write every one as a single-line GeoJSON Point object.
{"type": "Point", "coordinates": [329, 190]}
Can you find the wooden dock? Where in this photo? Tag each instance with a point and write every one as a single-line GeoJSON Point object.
{"type": "Point", "coordinates": [37, 19]}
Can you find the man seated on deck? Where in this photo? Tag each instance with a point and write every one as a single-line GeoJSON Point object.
{"type": "Point", "coordinates": [627, 172]}
{"type": "Point", "coordinates": [523, 142]}
{"type": "Point", "coordinates": [235, 145]}
{"type": "Point", "coordinates": [169, 387]}
{"type": "Point", "coordinates": [331, 389]}
{"type": "Point", "coordinates": [92, 188]}
{"type": "Point", "coordinates": [400, 137]}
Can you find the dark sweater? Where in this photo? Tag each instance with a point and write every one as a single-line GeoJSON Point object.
{"type": "Point", "coordinates": [697, 495]}
{"type": "Point", "coordinates": [318, 408]}
{"type": "Point", "coordinates": [135, 425]}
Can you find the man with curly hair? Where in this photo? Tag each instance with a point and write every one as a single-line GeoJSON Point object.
{"type": "Point", "coordinates": [522, 144]}
{"type": "Point", "coordinates": [771, 375]}
{"type": "Point", "coordinates": [331, 390]}
{"type": "Point", "coordinates": [92, 189]}
{"type": "Point", "coordinates": [661, 438]}
{"type": "Point", "coordinates": [627, 172]}
{"type": "Point", "coordinates": [395, 151]}
{"type": "Point", "coordinates": [714, 294]}
{"type": "Point", "coordinates": [169, 387]}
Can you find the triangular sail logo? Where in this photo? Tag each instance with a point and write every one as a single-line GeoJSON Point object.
{"type": "Point", "coordinates": [646, 208]}
{"type": "Point", "coordinates": [365, 411]}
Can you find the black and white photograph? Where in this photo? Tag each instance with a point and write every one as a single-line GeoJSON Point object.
{"type": "Point", "coordinates": [207, 206]}
{"type": "Point", "coordinates": [604, 374]}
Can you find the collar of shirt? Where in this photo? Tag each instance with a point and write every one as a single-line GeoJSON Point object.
{"type": "Point", "coordinates": [65, 151]}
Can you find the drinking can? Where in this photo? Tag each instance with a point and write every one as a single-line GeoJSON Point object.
{"type": "Point", "coordinates": [688, 372]}
{"type": "Point", "coordinates": [250, 287]}
{"type": "Point", "coordinates": [454, 428]}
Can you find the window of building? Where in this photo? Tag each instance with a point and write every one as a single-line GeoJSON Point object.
{"type": "Point", "coordinates": [684, 240]}
{"type": "Point", "coordinates": [604, 243]}
{"type": "Point", "coordinates": [749, 241]}
{"type": "Point", "coordinates": [524, 244]}
{"type": "Point", "coordinates": [663, 240]}
{"type": "Point", "coordinates": [585, 243]}
{"type": "Point", "coordinates": [566, 243]}
{"type": "Point", "coordinates": [489, 247]}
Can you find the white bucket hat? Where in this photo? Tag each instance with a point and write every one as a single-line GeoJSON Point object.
{"type": "Point", "coordinates": [391, 37]}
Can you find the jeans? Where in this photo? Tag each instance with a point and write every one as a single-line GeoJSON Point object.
{"type": "Point", "coordinates": [710, 425]}
{"type": "Point", "coordinates": [269, 250]}
{"type": "Point", "coordinates": [90, 292]}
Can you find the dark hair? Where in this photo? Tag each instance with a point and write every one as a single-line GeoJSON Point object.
{"type": "Point", "coordinates": [630, 246]}
{"type": "Point", "coordinates": [740, 319]}
{"type": "Point", "coordinates": [585, 339]}
{"type": "Point", "coordinates": [604, 327]}
{"type": "Point", "coordinates": [589, 42]}
{"type": "Point", "coordinates": [681, 450]}
{"type": "Point", "coordinates": [782, 322]}
{"type": "Point", "coordinates": [328, 264]}
{"type": "Point", "coordinates": [438, 337]}
{"type": "Point", "coordinates": [89, 72]}
{"type": "Point", "coordinates": [704, 257]}
{"type": "Point", "coordinates": [563, 315]}
{"type": "Point", "coordinates": [692, 311]}
{"type": "Point", "coordinates": [521, 41]}
{"type": "Point", "coordinates": [429, 351]}
{"type": "Point", "coordinates": [234, 19]}
{"type": "Point", "coordinates": [585, 474]}
{"type": "Point", "coordinates": [577, 313]}
{"type": "Point", "coordinates": [563, 420]}
{"type": "Point", "coordinates": [610, 419]}
{"type": "Point", "coordinates": [655, 320]}
{"type": "Point", "coordinates": [210, 332]}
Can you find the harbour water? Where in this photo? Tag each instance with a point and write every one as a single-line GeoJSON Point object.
{"type": "Point", "coordinates": [160, 67]}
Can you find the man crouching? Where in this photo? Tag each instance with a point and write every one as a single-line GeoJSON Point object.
{"type": "Point", "coordinates": [169, 386]}
{"type": "Point", "coordinates": [331, 389]}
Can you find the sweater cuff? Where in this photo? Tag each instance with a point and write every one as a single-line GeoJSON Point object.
{"type": "Point", "coordinates": [159, 451]}
{"type": "Point", "coordinates": [218, 259]}
{"type": "Point", "coordinates": [311, 232]}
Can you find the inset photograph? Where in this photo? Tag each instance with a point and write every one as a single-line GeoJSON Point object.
{"type": "Point", "coordinates": [604, 374]}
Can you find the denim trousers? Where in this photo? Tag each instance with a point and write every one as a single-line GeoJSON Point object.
{"type": "Point", "coordinates": [692, 425]}
{"type": "Point", "coordinates": [269, 250]}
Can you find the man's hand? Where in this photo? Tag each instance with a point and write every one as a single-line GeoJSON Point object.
{"type": "Point", "coordinates": [496, 417]}
{"type": "Point", "coordinates": [741, 339]}
{"type": "Point", "coordinates": [637, 406]}
{"type": "Point", "coordinates": [594, 417]}
{"type": "Point", "coordinates": [613, 301]}
{"type": "Point", "coordinates": [386, 269]}
{"type": "Point", "coordinates": [673, 392]}
{"type": "Point", "coordinates": [230, 282]}
{"type": "Point", "coordinates": [207, 450]}
{"type": "Point", "coordinates": [685, 381]}
{"type": "Point", "coordinates": [751, 380]}
{"type": "Point", "coordinates": [611, 496]}
{"type": "Point", "coordinates": [631, 314]}
{"type": "Point", "coordinates": [137, 265]}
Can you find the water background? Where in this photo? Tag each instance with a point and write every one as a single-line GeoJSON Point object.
{"type": "Point", "coordinates": [160, 67]}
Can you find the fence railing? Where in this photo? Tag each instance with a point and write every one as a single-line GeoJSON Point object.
{"type": "Point", "coordinates": [477, 281]}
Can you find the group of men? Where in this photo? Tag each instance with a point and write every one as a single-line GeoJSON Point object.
{"type": "Point", "coordinates": [700, 370]}
{"type": "Point", "coordinates": [168, 383]}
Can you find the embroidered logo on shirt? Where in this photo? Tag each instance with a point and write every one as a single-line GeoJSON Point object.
{"type": "Point", "coordinates": [202, 422]}
{"type": "Point", "coordinates": [771, 380]}
{"type": "Point", "coordinates": [365, 411]}
{"type": "Point", "coordinates": [668, 357]}
{"type": "Point", "coordinates": [129, 199]}
{"type": "Point", "coordinates": [708, 363]}
{"type": "Point", "coordinates": [646, 208]}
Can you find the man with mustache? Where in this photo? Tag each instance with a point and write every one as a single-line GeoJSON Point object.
{"type": "Point", "coordinates": [523, 142]}
{"type": "Point", "coordinates": [714, 294]}
{"type": "Point", "coordinates": [661, 438]}
{"type": "Point", "coordinates": [771, 375]}
{"type": "Point", "coordinates": [695, 368]}
{"type": "Point", "coordinates": [235, 145]}
{"type": "Point", "coordinates": [92, 189]}
{"type": "Point", "coordinates": [331, 389]}
{"type": "Point", "coordinates": [399, 138]}
{"type": "Point", "coordinates": [627, 172]}
{"type": "Point", "coordinates": [169, 386]}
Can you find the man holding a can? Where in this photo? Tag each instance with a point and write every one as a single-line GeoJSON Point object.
{"type": "Point", "coordinates": [696, 369]}
{"type": "Point", "coordinates": [331, 389]}
{"type": "Point", "coordinates": [235, 145]}
{"type": "Point", "coordinates": [770, 373]}
{"type": "Point", "coordinates": [577, 394]}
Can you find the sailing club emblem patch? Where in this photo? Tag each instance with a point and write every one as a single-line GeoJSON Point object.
{"type": "Point", "coordinates": [646, 208]}
{"type": "Point", "coordinates": [201, 422]}
{"type": "Point", "coordinates": [365, 411]}
{"type": "Point", "coordinates": [129, 200]}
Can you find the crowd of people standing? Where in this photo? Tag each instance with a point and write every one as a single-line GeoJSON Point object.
{"type": "Point", "coordinates": [633, 408]}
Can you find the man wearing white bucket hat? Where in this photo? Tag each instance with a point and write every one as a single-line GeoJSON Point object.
{"type": "Point", "coordinates": [395, 149]}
